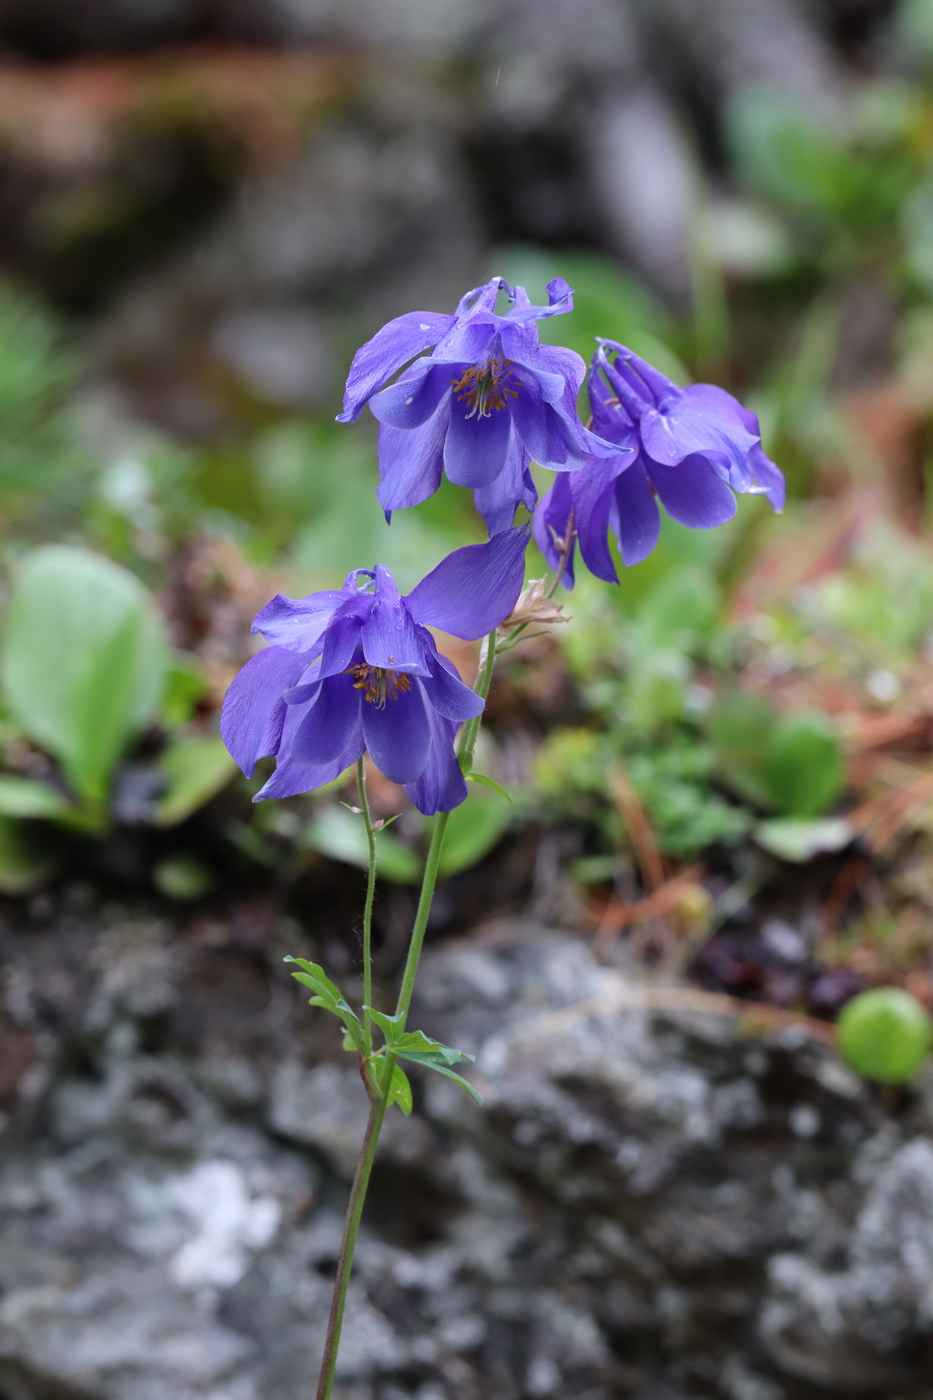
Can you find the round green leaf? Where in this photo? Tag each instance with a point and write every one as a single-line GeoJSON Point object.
{"type": "Point", "coordinates": [803, 769]}
{"type": "Point", "coordinates": [884, 1034]}
{"type": "Point", "coordinates": [82, 660]}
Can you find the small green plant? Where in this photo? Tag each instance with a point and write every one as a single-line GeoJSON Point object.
{"type": "Point", "coordinates": [885, 1034]}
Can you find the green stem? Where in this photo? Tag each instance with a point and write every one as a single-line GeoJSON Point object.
{"type": "Point", "coordinates": [379, 1104]}
{"type": "Point", "coordinates": [368, 909]}
{"type": "Point", "coordinates": [351, 1229]}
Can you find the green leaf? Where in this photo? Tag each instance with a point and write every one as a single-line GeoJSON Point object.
{"type": "Point", "coordinates": [428, 1063]}
{"type": "Point", "coordinates": [182, 876]}
{"type": "Point", "coordinates": [797, 840]}
{"type": "Point", "coordinates": [82, 660]}
{"type": "Point", "coordinates": [885, 1034]}
{"type": "Point", "coordinates": [400, 1090]}
{"type": "Point", "coordinates": [338, 833]}
{"type": "Point", "coordinates": [473, 829]}
{"type": "Point", "coordinates": [416, 1042]}
{"type": "Point", "coordinates": [184, 686]}
{"type": "Point", "coordinates": [391, 1026]}
{"type": "Point", "coordinates": [195, 771]}
{"type": "Point", "coordinates": [804, 769]}
{"type": "Point", "coordinates": [22, 797]}
{"type": "Point", "coordinates": [329, 996]}
{"type": "Point", "coordinates": [489, 783]}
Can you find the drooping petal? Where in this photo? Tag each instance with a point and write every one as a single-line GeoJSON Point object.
{"type": "Point", "coordinates": [329, 723]}
{"type": "Point", "coordinates": [474, 588]}
{"type": "Point", "coordinates": [514, 486]}
{"type": "Point", "coordinates": [548, 436]}
{"type": "Point", "coordinates": [635, 518]}
{"type": "Point", "coordinates": [693, 493]}
{"type": "Point", "coordinates": [768, 476]}
{"type": "Point", "coordinates": [560, 301]}
{"type": "Point", "coordinates": [448, 694]}
{"type": "Point", "coordinates": [390, 348]}
{"type": "Point", "coordinates": [553, 519]}
{"type": "Point", "coordinates": [398, 734]}
{"type": "Point", "coordinates": [414, 398]}
{"type": "Point", "coordinates": [253, 710]}
{"type": "Point", "coordinates": [592, 491]}
{"type": "Point", "coordinates": [390, 638]}
{"type": "Point", "coordinates": [342, 638]}
{"type": "Point", "coordinates": [695, 422]}
{"type": "Point", "coordinates": [441, 786]}
{"type": "Point", "coordinates": [297, 623]}
{"type": "Point", "coordinates": [476, 445]}
{"type": "Point", "coordinates": [292, 777]}
{"type": "Point", "coordinates": [411, 462]}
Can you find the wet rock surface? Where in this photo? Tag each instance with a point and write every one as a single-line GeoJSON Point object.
{"type": "Point", "coordinates": [656, 1204]}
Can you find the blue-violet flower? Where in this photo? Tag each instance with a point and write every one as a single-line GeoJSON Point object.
{"type": "Point", "coordinates": [488, 398]}
{"type": "Point", "coordinates": [691, 449]}
{"type": "Point", "coordinates": [355, 669]}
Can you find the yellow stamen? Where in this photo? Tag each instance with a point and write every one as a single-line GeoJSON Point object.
{"type": "Point", "coordinates": [378, 685]}
{"type": "Point", "coordinates": [485, 386]}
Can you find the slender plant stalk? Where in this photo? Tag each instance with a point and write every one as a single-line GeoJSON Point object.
{"type": "Point", "coordinates": [380, 1102]}
{"type": "Point", "coordinates": [368, 908]}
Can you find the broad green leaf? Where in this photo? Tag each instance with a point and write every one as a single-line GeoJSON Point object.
{"type": "Point", "coordinates": [804, 768]}
{"type": "Point", "coordinates": [400, 1090]}
{"type": "Point", "coordinates": [472, 830]}
{"type": "Point", "coordinates": [489, 783]}
{"type": "Point", "coordinates": [340, 834]}
{"type": "Point", "coordinates": [391, 1026]}
{"type": "Point", "coordinates": [428, 1063]}
{"type": "Point", "coordinates": [82, 660]}
{"type": "Point", "coordinates": [23, 797]}
{"type": "Point", "coordinates": [195, 770]}
{"type": "Point", "coordinates": [25, 864]}
{"type": "Point", "coordinates": [740, 727]}
{"type": "Point", "coordinates": [184, 686]}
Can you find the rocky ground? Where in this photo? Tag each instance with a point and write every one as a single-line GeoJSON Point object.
{"type": "Point", "coordinates": [659, 1204]}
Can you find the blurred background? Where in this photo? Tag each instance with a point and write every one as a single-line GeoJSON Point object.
{"type": "Point", "coordinates": [721, 770]}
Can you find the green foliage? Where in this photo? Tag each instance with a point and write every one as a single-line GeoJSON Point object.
{"type": "Point", "coordinates": [329, 996]}
{"type": "Point", "coordinates": [195, 770]}
{"type": "Point", "coordinates": [791, 765]}
{"type": "Point", "coordinates": [182, 877]}
{"type": "Point", "coordinates": [473, 829]}
{"type": "Point", "coordinates": [82, 661]}
{"type": "Point", "coordinates": [341, 835]}
{"type": "Point", "coordinates": [885, 1034]}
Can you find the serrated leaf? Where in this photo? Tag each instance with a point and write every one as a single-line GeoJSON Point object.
{"type": "Point", "coordinates": [491, 784]}
{"type": "Point", "coordinates": [428, 1063]}
{"type": "Point", "coordinates": [400, 1090]}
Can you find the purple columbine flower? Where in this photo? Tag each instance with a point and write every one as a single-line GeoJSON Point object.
{"type": "Point", "coordinates": [487, 399]}
{"type": "Point", "coordinates": [355, 669]}
{"type": "Point", "coordinates": [691, 449]}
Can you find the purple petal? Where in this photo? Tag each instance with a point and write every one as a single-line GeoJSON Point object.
{"type": "Point", "coordinates": [442, 785]}
{"type": "Point", "coordinates": [413, 399]}
{"type": "Point", "coordinates": [651, 386]}
{"type": "Point", "coordinates": [513, 487]}
{"type": "Point", "coordinates": [291, 777]}
{"type": "Point", "coordinates": [390, 637]}
{"type": "Point", "coordinates": [637, 520]}
{"type": "Point", "coordinates": [560, 301]}
{"type": "Point", "coordinates": [697, 422]}
{"type": "Point", "coordinates": [391, 348]}
{"type": "Point", "coordinates": [448, 694]}
{"type": "Point", "coordinates": [253, 710]}
{"type": "Point", "coordinates": [342, 639]}
{"type": "Point", "coordinates": [592, 491]}
{"type": "Point", "coordinates": [553, 518]}
{"type": "Point", "coordinates": [477, 446]}
{"type": "Point", "coordinates": [411, 462]}
{"type": "Point", "coordinates": [767, 475]}
{"type": "Point", "coordinates": [473, 589]}
{"type": "Point", "coordinates": [398, 734]}
{"type": "Point", "coordinates": [550, 436]}
{"type": "Point", "coordinates": [297, 623]}
{"type": "Point", "coordinates": [693, 493]}
{"type": "Point", "coordinates": [329, 723]}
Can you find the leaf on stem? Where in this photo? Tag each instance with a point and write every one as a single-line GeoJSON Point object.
{"type": "Point", "coordinates": [400, 1090]}
{"type": "Point", "coordinates": [430, 1063]}
{"type": "Point", "coordinates": [328, 995]}
{"type": "Point", "coordinates": [491, 784]}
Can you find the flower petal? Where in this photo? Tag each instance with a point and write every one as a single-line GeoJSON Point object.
{"type": "Point", "coordinates": [693, 493]}
{"type": "Point", "coordinates": [553, 518]}
{"type": "Point", "coordinates": [297, 623]}
{"type": "Point", "coordinates": [253, 710]}
{"type": "Point", "coordinates": [390, 348]}
{"type": "Point", "coordinates": [413, 399]}
{"type": "Point", "coordinates": [637, 520]}
{"type": "Point", "coordinates": [442, 785]}
{"type": "Point", "coordinates": [389, 635]}
{"type": "Point", "coordinates": [513, 487]}
{"type": "Point", "coordinates": [474, 588]}
{"type": "Point", "coordinates": [592, 491]}
{"type": "Point", "coordinates": [411, 463]}
{"type": "Point", "coordinates": [697, 421]}
{"type": "Point", "coordinates": [448, 694]}
{"type": "Point", "coordinates": [560, 301]}
{"type": "Point", "coordinates": [291, 777]}
{"type": "Point", "coordinates": [768, 476]}
{"type": "Point", "coordinates": [342, 638]}
{"type": "Point", "coordinates": [476, 447]}
{"type": "Point", "coordinates": [398, 734]}
{"type": "Point", "coordinates": [327, 727]}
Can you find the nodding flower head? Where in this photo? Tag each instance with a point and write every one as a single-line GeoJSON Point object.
{"type": "Point", "coordinates": [355, 669]}
{"type": "Point", "coordinates": [691, 449]}
{"type": "Point", "coordinates": [477, 396]}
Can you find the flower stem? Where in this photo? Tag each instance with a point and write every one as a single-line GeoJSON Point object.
{"type": "Point", "coordinates": [368, 909]}
{"type": "Point", "coordinates": [379, 1103]}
